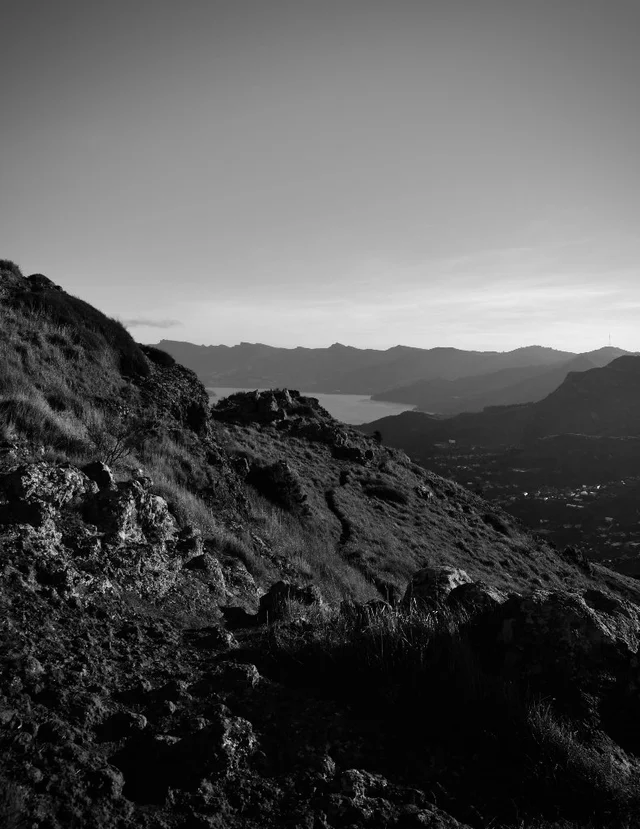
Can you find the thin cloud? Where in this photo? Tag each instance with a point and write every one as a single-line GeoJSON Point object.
{"type": "Point", "coordinates": [144, 322]}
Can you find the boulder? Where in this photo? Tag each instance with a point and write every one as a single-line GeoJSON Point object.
{"type": "Point", "coordinates": [101, 474]}
{"type": "Point", "coordinates": [572, 637]}
{"type": "Point", "coordinates": [130, 513]}
{"type": "Point", "coordinates": [275, 603]}
{"type": "Point", "coordinates": [430, 586]}
{"type": "Point", "coordinates": [46, 483]}
{"type": "Point", "coordinates": [221, 747]}
{"type": "Point", "coordinates": [475, 598]}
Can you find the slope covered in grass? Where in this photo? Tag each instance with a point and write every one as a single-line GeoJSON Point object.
{"type": "Point", "coordinates": [184, 587]}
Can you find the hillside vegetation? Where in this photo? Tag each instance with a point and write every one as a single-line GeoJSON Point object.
{"type": "Point", "coordinates": [252, 616]}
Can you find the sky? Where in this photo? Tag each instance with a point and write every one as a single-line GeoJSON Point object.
{"type": "Point", "coordinates": [301, 172]}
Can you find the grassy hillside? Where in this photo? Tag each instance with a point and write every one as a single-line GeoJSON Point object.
{"type": "Point", "coordinates": [252, 616]}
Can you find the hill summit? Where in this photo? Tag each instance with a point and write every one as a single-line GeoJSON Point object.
{"type": "Point", "coordinates": [251, 615]}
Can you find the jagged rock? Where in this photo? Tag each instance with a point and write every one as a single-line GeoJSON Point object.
{"type": "Point", "coordinates": [37, 514]}
{"type": "Point", "coordinates": [567, 636]}
{"type": "Point", "coordinates": [424, 492]}
{"type": "Point", "coordinates": [232, 676]}
{"type": "Point", "coordinates": [275, 602]}
{"type": "Point", "coordinates": [240, 587]}
{"type": "Point", "coordinates": [122, 724]}
{"type": "Point", "coordinates": [101, 474]}
{"type": "Point", "coordinates": [430, 586]}
{"type": "Point", "coordinates": [366, 799]}
{"type": "Point", "coordinates": [189, 543]}
{"type": "Point", "coordinates": [208, 569]}
{"type": "Point", "coordinates": [216, 638]}
{"type": "Point", "coordinates": [46, 483]}
{"type": "Point", "coordinates": [131, 513]}
{"type": "Point", "coordinates": [219, 748]}
{"type": "Point", "coordinates": [270, 406]}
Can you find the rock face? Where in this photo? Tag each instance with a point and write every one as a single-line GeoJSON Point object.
{"type": "Point", "coordinates": [430, 587]}
{"type": "Point", "coordinates": [46, 484]}
{"type": "Point", "coordinates": [475, 598]}
{"type": "Point", "coordinates": [269, 406]}
{"type": "Point", "coordinates": [84, 537]}
{"type": "Point", "coordinates": [569, 635]}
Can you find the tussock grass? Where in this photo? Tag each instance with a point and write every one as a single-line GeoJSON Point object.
{"type": "Point", "coordinates": [492, 752]}
{"type": "Point", "coordinates": [309, 547]}
{"type": "Point", "coordinates": [12, 806]}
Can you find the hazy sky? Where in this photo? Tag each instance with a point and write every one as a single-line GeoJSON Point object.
{"type": "Point", "coordinates": [300, 172]}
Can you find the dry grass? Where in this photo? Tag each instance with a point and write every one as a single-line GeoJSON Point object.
{"type": "Point", "coordinates": [449, 724]}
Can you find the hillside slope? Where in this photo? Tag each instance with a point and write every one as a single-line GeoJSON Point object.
{"type": "Point", "coordinates": [183, 588]}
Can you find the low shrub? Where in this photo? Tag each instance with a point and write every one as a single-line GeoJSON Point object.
{"type": "Point", "coordinates": [279, 483]}
{"type": "Point", "coordinates": [449, 724]}
{"type": "Point", "coordinates": [158, 356]}
{"type": "Point", "coordinates": [11, 267]}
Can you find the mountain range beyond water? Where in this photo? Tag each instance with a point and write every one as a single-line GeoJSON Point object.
{"type": "Point", "coordinates": [438, 380]}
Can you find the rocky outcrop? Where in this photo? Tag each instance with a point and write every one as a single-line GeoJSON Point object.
{"type": "Point", "coordinates": [44, 483]}
{"type": "Point", "coordinates": [567, 637]}
{"type": "Point", "coordinates": [475, 598]}
{"type": "Point", "coordinates": [430, 587]}
{"type": "Point", "coordinates": [271, 406]}
{"type": "Point", "coordinates": [79, 535]}
{"type": "Point", "coordinates": [176, 392]}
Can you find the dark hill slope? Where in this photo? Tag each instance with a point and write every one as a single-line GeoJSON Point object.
{"type": "Point", "coordinates": [604, 401]}
{"type": "Point", "coordinates": [166, 623]}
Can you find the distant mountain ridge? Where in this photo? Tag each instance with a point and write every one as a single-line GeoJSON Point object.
{"type": "Point", "coordinates": [349, 370]}
{"type": "Point", "coordinates": [520, 384]}
{"type": "Point", "coordinates": [602, 401]}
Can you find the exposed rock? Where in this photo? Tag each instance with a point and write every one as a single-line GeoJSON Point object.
{"type": "Point", "coordinates": [567, 637]}
{"type": "Point", "coordinates": [189, 544]}
{"type": "Point", "coordinates": [240, 587]}
{"type": "Point", "coordinates": [475, 598]}
{"type": "Point", "coordinates": [46, 483]}
{"type": "Point", "coordinates": [130, 513]}
{"type": "Point", "coordinates": [101, 474]}
{"type": "Point", "coordinates": [267, 407]}
{"type": "Point", "coordinates": [431, 586]}
{"type": "Point", "coordinates": [219, 748]}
